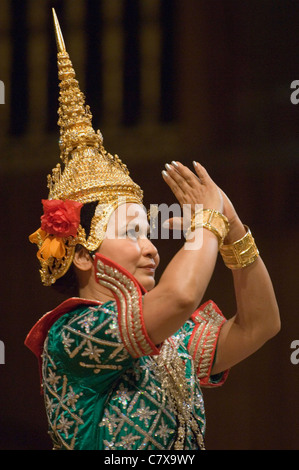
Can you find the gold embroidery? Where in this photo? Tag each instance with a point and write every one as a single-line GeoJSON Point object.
{"type": "Point", "coordinates": [88, 347]}
{"type": "Point", "coordinates": [147, 435]}
{"type": "Point", "coordinates": [130, 315]}
{"type": "Point", "coordinates": [171, 372]}
{"type": "Point", "coordinates": [65, 401]}
{"type": "Point", "coordinates": [202, 345]}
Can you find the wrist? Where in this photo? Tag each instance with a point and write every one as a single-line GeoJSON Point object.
{"type": "Point", "coordinates": [212, 220]}
{"type": "Point", "coordinates": [236, 231]}
{"type": "Point", "coordinates": [240, 253]}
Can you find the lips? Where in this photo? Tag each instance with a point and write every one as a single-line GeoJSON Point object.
{"type": "Point", "coordinates": [149, 267]}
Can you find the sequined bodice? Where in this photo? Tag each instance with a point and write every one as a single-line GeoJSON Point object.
{"type": "Point", "coordinates": [98, 397]}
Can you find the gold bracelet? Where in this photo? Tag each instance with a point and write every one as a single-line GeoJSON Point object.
{"type": "Point", "coordinates": [241, 253]}
{"type": "Point", "coordinates": [211, 220]}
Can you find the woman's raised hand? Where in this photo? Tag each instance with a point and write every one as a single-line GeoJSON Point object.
{"type": "Point", "coordinates": [190, 188]}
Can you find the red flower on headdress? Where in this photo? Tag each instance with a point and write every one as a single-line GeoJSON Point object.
{"type": "Point", "coordinates": [61, 218]}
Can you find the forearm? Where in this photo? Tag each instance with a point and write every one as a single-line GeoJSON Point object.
{"type": "Point", "coordinates": [257, 308]}
{"type": "Point", "coordinates": [257, 317]}
{"type": "Point", "coordinates": [180, 288]}
{"type": "Point", "coordinates": [189, 272]}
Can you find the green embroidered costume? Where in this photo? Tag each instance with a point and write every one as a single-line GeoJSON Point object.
{"type": "Point", "coordinates": [106, 386]}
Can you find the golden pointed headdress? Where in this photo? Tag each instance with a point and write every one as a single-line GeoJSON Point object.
{"type": "Point", "coordinates": [89, 174]}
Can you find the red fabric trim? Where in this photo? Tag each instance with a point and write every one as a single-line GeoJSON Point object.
{"type": "Point", "coordinates": [37, 335]}
{"type": "Point", "coordinates": [205, 382]}
{"type": "Point", "coordinates": [197, 325]}
{"type": "Point", "coordinates": [202, 307]}
{"type": "Point", "coordinates": [141, 291]}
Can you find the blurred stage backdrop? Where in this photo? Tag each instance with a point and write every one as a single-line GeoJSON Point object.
{"type": "Point", "coordinates": [166, 80]}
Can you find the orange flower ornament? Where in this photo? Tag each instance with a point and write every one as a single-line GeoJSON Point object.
{"type": "Point", "coordinates": [60, 220]}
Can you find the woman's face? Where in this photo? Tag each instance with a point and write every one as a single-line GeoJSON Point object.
{"type": "Point", "coordinates": [127, 244]}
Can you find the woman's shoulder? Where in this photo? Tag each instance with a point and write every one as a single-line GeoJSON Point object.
{"type": "Point", "coordinates": [70, 307]}
{"type": "Point", "coordinates": [83, 312]}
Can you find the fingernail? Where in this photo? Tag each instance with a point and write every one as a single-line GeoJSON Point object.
{"type": "Point", "coordinates": [175, 164]}
{"type": "Point", "coordinates": [164, 173]}
{"type": "Point", "coordinates": [194, 163]}
{"type": "Point", "coordinates": [168, 167]}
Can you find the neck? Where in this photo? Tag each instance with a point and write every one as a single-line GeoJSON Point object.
{"type": "Point", "coordinates": [97, 293]}
{"type": "Point", "coordinates": [90, 289]}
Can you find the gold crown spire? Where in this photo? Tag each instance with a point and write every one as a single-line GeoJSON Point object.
{"type": "Point", "coordinates": [59, 37]}
{"type": "Point", "coordinates": [90, 173]}
{"type": "Point", "coordinates": [75, 119]}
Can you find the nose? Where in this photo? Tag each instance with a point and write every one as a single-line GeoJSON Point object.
{"type": "Point", "coordinates": [149, 250]}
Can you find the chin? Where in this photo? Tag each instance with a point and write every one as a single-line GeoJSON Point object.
{"type": "Point", "coordinates": [148, 283]}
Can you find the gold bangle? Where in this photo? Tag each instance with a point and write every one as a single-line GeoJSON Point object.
{"type": "Point", "coordinates": [241, 253]}
{"type": "Point", "coordinates": [211, 220]}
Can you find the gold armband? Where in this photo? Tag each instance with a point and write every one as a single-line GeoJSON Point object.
{"type": "Point", "coordinates": [241, 253]}
{"type": "Point", "coordinates": [211, 220]}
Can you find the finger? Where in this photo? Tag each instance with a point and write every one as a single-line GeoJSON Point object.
{"type": "Point", "coordinates": [201, 172]}
{"type": "Point", "coordinates": [186, 173]}
{"type": "Point", "coordinates": [175, 188]}
{"type": "Point", "coordinates": [178, 177]}
{"type": "Point", "coordinates": [174, 179]}
{"type": "Point", "coordinates": [176, 223]}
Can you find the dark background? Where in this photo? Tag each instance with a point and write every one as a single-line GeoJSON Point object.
{"type": "Point", "coordinates": [205, 80]}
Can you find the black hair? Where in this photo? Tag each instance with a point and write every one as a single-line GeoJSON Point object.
{"type": "Point", "coordinates": [68, 283]}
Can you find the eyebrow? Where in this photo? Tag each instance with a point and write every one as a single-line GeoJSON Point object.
{"type": "Point", "coordinates": [138, 226]}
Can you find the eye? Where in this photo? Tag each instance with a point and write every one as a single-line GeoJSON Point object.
{"type": "Point", "coordinates": [131, 233]}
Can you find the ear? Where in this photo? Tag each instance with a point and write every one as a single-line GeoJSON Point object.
{"type": "Point", "coordinates": [82, 260]}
